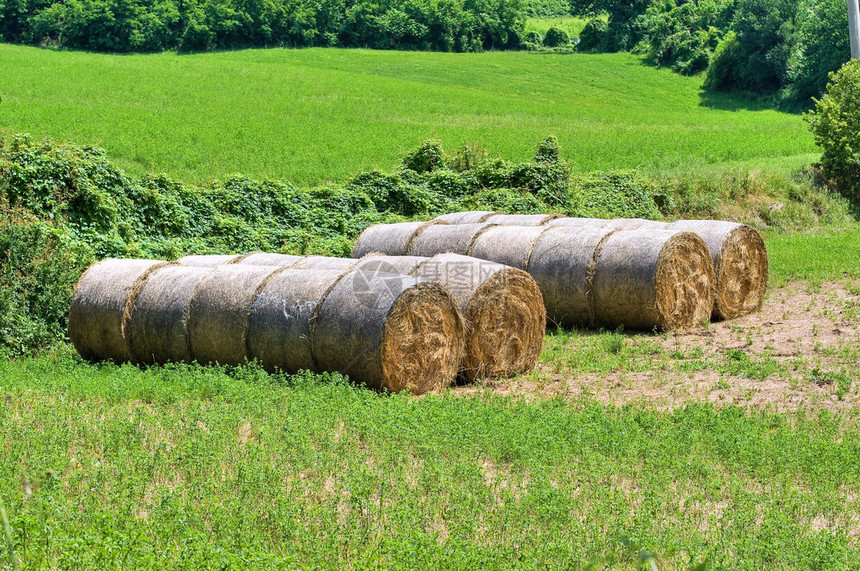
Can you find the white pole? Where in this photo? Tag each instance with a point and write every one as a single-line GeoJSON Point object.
{"type": "Point", "coordinates": [854, 28]}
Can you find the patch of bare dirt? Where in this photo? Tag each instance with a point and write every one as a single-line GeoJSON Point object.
{"type": "Point", "coordinates": [801, 350]}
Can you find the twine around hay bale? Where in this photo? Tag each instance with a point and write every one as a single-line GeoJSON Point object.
{"type": "Point", "coordinates": [100, 307]}
{"type": "Point", "coordinates": [210, 260]}
{"type": "Point", "coordinates": [389, 331]}
{"type": "Point", "coordinates": [265, 259]}
{"type": "Point", "coordinates": [468, 217]}
{"type": "Point", "coordinates": [157, 328]}
{"type": "Point", "coordinates": [442, 239]}
{"type": "Point", "coordinates": [508, 245]}
{"type": "Point", "coordinates": [324, 263]}
{"type": "Point", "coordinates": [390, 239]}
{"type": "Point", "coordinates": [740, 264]}
{"type": "Point", "coordinates": [220, 310]}
{"type": "Point", "coordinates": [521, 219]}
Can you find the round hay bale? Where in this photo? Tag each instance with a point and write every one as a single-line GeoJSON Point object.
{"type": "Point", "coordinates": [455, 238]}
{"type": "Point", "coordinates": [389, 331]}
{"type": "Point", "coordinates": [468, 217]}
{"type": "Point", "coordinates": [279, 331]}
{"type": "Point", "coordinates": [220, 309]}
{"type": "Point", "coordinates": [653, 278]}
{"type": "Point", "coordinates": [100, 306]}
{"type": "Point", "coordinates": [390, 239]}
{"type": "Point", "coordinates": [577, 223]}
{"type": "Point", "coordinates": [324, 263]}
{"type": "Point", "coordinates": [389, 264]}
{"type": "Point", "coordinates": [503, 309]}
{"type": "Point", "coordinates": [265, 259]}
{"type": "Point", "coordinates": [210, 261]}
{"type": "Point", "coordinates": [740, 264]}
{"type": "Point", "coordinates": [157, 329]}
{"type": "Point", "coordinates": [560, 264]}
{"type": "Point", "coordinates": [508, 245]}
{"type": "Point", "coordinates": [521, 219]}
{"type": "Point", "coordinates": [634, 224]}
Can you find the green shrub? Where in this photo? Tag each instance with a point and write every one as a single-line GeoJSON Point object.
{"type": "Point", "coordinates": [620, 194]}
{"type": "Point", "coordinates": [592, 35]}
{"type": "Point", "coordinates": [835, 123]}
{"type": "Point", "coordinates": [556, 37]}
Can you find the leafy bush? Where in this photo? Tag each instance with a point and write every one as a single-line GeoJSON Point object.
{"type": "Point", "coordinates": [556, 37]}
{"type": "Point", "coordinates": [620, 194]}
{"type": "Point", "coordinates": [683, 37]}
{"type": "Point", "coordinates": [835, 123]}
{"type": "Point", "coordinates": [591, 37]}
{"type": "Point", "coordinates": [824, 47]}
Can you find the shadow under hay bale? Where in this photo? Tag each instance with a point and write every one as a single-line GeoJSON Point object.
{"type": "Point", "coordinates": [468, 217]}
{"type": "Point", "coordinates": [389, 331]}
{"type": "Point", "coordinates": [157, 329]}
{"type": "Point", "coordinates": [279, 331]}
{"type": "Point", "coordinates": [101, 304]}
{"type": "Point", "coordinates": [444, 239]}
{"type": "Point", "coordinates": [390, 239]}
{"type": "Point", "coordinates": [740, 264]}
{"type": "Point", "coordinates": [220, 310]}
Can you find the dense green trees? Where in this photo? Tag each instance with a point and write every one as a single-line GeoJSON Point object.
{"type": "Point", "coordinates": [154, 25]}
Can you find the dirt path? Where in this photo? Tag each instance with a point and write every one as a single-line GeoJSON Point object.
{"type": "Point", "coordinates": [801, 350]}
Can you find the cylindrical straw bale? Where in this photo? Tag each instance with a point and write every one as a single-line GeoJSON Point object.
{"type": "Point", "coordinates": [325, 263]}
{"type": "Point", "coordinates": [210, 261]}
{"type": "Point", "coordinates": [390, 239]}
{"type": "Point", "coordinates": [265, 259]}
{"type": "Point", "coordinates": [633, 224]}
{"type": "Point", "coordinates": [389, 264]}
{"type": "Point", "coordinates": [220, 310]}
{"type": "Point", "coordinates": [653, 278]}
{"type": "Point", "coordinates": [468, 217]}
{"type": "Point", "coordinates": [562, 265]}
{"type": "Point", "coordinates": [503, 308]}
{"type": "Point", "coordinates": [521, 219]}
{"type": "Point", "coordinates": [740, 264]}
{"type": "Point", "coordinates": [389, 331]}
{"type": "Point", "coordinates": [455, 238]}
{"type": "Point", "coordinates": [508, 245]}
{"type": "Point", "coordinates": [279, 331]}
{"type": "Point", "coordinates": [101, 304]}
{"type": "Point", "coordinates": [577, 223]}
{"type": "Point", "coordinates": [157, 329]}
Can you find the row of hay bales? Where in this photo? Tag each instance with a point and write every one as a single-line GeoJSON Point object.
{"type": "Point", "coordinates": [634, 273]}
{"type": "Point", "coordinates": [399, 323]}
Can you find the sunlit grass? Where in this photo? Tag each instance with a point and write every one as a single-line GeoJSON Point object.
{"type": "Point", "coordinates": [321, 114]}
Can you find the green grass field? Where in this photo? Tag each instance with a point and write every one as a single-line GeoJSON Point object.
{"type": "Point", "coordinates": [321, 114]}
{"type": "Point", "coordinates": [572, 25]}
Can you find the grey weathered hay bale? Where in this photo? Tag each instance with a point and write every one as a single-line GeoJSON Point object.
{"type": "Point", "coordinates": [402, 265]}
{"type": "Point", "coordinates": [653, 278]}
{"type": "Point", "coordinates": [220, 310]}
{"type": "Point", "coordinates": [640, 279]}
{"type": "Point", "coordinates": [508, 245]}
{"type": "Point", "coordinates": [521, 219]}
{"type": "Point", "coordinates": [389, 331]}
{"type": "Point", "coordinates": [634, 224]}
{"type": "Point", "coordinates": [740, 264]}
{"type": "Point", "coordinates": [265, 259]}
{"type": "Point", "coordinates": [468, 217]}
{"type": "Point", "coordinates": [455, 238]}
{"type": "Point", "coordinates": [503, 309]}
{"type": "Point", "coordinates": [577, 223]}
{"type": "Point", "coordinates": [100, 306]}
{"type": "Point", "coordinates": [324, 263]}
{"type": "Point", "coordinates": [279, 331]}
{"type": "Point", "coordinates": [391, 239]}
{"type": "Point", "coordinates": [157, 329]}
{"type": "Point", "coordinates": [210, 261]}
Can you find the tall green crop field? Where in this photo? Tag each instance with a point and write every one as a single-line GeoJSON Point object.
{"type": "Point", "coordinates": [320, 114]}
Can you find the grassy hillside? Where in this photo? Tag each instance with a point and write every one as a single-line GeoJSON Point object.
{"type": "Point", "coordinates": [320, 114]}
